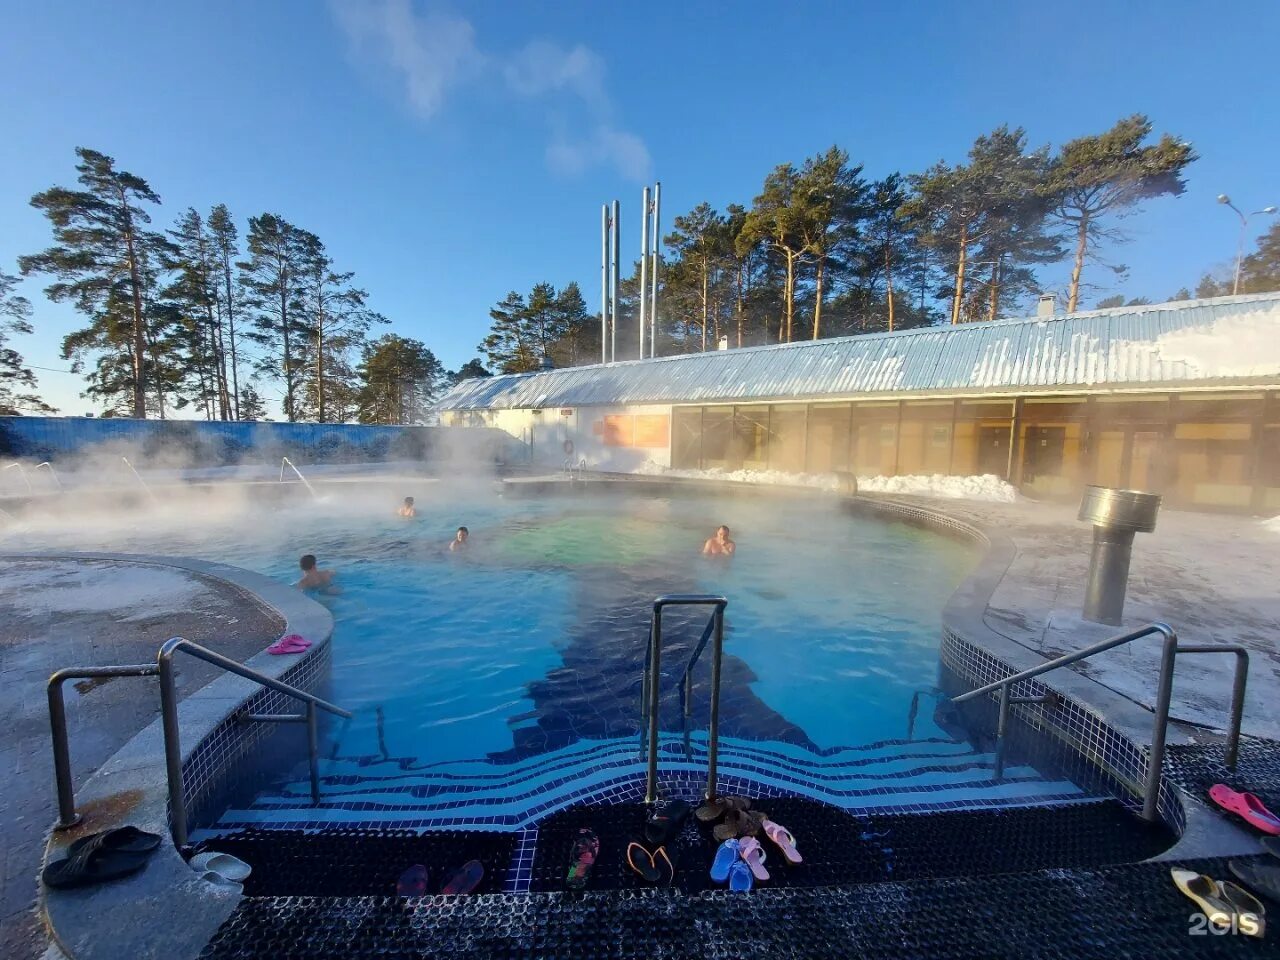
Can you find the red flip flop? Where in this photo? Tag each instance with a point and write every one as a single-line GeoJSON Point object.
{"type": "Point", "coordinates": [1247, 807]}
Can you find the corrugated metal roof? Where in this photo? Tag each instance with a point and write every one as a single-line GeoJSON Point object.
{"type": "Point", "coordinates": [1220, 341]}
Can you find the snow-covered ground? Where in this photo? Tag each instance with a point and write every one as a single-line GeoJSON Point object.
{"type": "Point", "coordinates": [989, 488]}
{"type": "Point", "coordinates": [1273, 524]}
{"type": "Point", "coordinates": [119, 591]}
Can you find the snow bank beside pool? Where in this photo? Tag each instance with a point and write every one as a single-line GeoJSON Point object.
{"type": "Point", "coordinates": [989, 488]}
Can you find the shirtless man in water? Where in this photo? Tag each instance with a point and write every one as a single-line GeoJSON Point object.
{"type": "Point", "coordinates": [721, 545]}
{"type": "Point", "coordinates": [459, 541]}
{"type": "Point", "coordinates": [313, 578]}
{"type": "Point", "coordinates": [407, 509]}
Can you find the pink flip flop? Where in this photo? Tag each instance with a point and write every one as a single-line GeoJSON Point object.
{"type": "Point", "coordinates": [753, 855]}
{"type": "Point", "coordinates": [783, 838]}
{"type": "Point", "coordinates": [1246, 806]}
{"type": "Point", "coordinates": [293, 643]}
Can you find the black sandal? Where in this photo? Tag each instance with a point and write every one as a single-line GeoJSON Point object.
{"type": "Point", "coordinates": [95, 861]}
{"type": "Point", "coordinates": [662, 825]}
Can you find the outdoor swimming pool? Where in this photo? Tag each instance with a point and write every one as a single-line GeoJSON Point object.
{"type": "Point", "coordinates": [500, 681]}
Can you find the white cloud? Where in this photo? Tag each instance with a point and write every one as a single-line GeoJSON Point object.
{"type": "Point", "coordinates": [434, 53]}
{"type": "Point", "coordinates": [430, 53]}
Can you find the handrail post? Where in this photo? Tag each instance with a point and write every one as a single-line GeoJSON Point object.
{"type": "Point", "coordinates": [1160, 726]}
{"type": "Point", "coordinates": [1237, 707]}
{"type": "Point", "coordinates": [172, 745]}
{"type": "Point", "coordinates": [655, 666]}
{"type": "Point", "coordinates": [313, 749]}
{"type": "Point", "coordinates": [1001, 728]}
{"type": "Point", "coordinates": [67, 816]}
{"type": "Point", "coordinates": [713, 728]}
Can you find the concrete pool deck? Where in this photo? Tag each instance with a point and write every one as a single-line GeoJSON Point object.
{"type": "Point", "coordinates": [67, 612]}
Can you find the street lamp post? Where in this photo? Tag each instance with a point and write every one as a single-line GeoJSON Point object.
{"type": "Point", "coordinates": [1244, 225]}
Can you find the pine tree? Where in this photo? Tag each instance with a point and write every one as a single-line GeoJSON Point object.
{"type": "Point", "coordinates": [251, 406]}
{"type": "Point", "coordinates": [836, 197]}
{"type": "Point", "coordinates": [222, 237]}
{"type": "Point", "coordinates": [698, 250]}
{"type": "Point", "coordinates": [579, 332]}
{"type": "Point", "coordinates": [100, 254]}
{"type": "Point", "coordinates": [780, 219]}
{"type": "Point", "coordinates": [17, 382]}
{"type": "Point", "coordinates": [471, 370]}
{"type": "Point", "coordinates": [194, 294]}
{"type": "Point", "coordinates": [400, 379]}
{"type": "Point", "coordinates": [509, 345]}
{"type": "Point", "coordinates": [1101, 177]}
{"type": "Point", "coordinates": [272, 281]}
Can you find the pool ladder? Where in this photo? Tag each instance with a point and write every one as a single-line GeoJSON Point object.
{"type": "Point", "coordinates": [652, 680]}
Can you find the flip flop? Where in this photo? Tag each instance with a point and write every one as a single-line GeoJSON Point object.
{"type": "Point", "coordinates": [218, 880]}
{"type": "Point", "coordinates": [753, 856]}
{"type": "Point", "coordinates": [222, 864]}
{"type": "Point", "coordinates": [661, 854]}
{"type": "Point", "coordinates": [586, 847]}
{"type": "Point", "coordinates": [1263, 877]}
{"type": "Point", "coordinates": [1212, 902]}
{"type": "Point", "coordinates": [93, 863]}
{"type": "Point", "coordinates": [740, 879]}
{"type": "Point", "coordinates": [741, 823]}
{"type": "Point", "coordinates": [783, 838]}
{"type": "Point", "coordinates": [465, 879]}
{"type": "Point", "coordinates": [127, 839]}
{"type": "Point", "coordinates": [661, 826]}
{"type": "Point", "coordinates": [1249, 909]}
{"type": "Point", "coordinates": [290, 644]}
{"type": "Point", "coordinates": [1246, 806]}
{"type": "Point", "coordinates": [413, 882]}
{"type": "Point", "coordinates": [641, 861]}
{"type": "Point", "coordinates": [726, 857]}
{"type": "Point", "coordinates": [717, 808]}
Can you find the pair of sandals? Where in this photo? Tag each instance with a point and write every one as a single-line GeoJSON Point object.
{"type": "Point", "coordinates": [1227, 905]}
{"type": "Point", "coordinates": [740, 863]}
{"type": "Point", "coordinates": [736, 817]}
{"type": "Point", "coordinates": [464, 880]}
{"type": "Point", "coordinates": [101, 858]}
{"type": "Point", "coordinates": [221, 869]}
{"type": "Point", "coordinates": [1247, 806]}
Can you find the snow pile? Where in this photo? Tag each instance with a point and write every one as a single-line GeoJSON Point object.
{"type": "Point", "coordinates": [821, 481]}
{"type": "Point", "coordinates": [989, 487]}
{"type": "Point", "coordinates": [1273, 524]}
{"type": "Point", "coordinates": [122, 591]}
{"type": "Point", "coordinates": [1243, 346]}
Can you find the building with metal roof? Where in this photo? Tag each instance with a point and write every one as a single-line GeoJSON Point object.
{"type": "Point", "coordinates": [1048, 402]}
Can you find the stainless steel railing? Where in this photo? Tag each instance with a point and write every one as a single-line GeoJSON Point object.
{"type": "Point", "coordinates": [652, 681]}
{"type": "Point", "coordinates": [163, 668]}
{"type": "Point", "coordinates": [1164, 696]}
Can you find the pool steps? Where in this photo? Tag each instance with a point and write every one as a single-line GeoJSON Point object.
{"type": "Point", "coordinates": [897, 776]}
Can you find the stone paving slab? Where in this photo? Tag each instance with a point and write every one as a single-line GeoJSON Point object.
{"type": "Point", "coordinates": [59, 613]}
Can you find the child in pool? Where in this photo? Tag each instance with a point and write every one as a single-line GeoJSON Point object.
{"type": "Point", "coordinates": [313, 578]}
{"type": "Point", "coordinates": [407, 509]}
{"type": "Point", "coordinates": [459, 541]}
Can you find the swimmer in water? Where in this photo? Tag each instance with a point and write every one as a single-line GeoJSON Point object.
{"type": "Point", "coordinates": [721, 545]}
{"type": "Point", "coordinates": [406, 509]}
{"type": "Point", "coordinates": [313, 578]}
{"type": "Point", "coordinates": [459, 541]}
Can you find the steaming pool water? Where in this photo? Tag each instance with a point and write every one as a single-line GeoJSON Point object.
{"type": "Point", "coordinates": [497, 683]}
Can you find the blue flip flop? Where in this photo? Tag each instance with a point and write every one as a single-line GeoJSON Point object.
{"type": "Point", "coordinates": [740, 878]}
{"type": "Point", "coordinates": [726, 857]}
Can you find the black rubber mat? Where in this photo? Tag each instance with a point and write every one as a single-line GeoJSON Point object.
{"type": "Point", "coordinates": [1111, 913]}
{"type": "Point", "coordinates": [840, 848]}
{"type": "Point", "coordinates": [347, 863]}
{"type": "Point", "coordinates": [1198, 767]}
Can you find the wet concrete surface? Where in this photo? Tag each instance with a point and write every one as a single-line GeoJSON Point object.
{"type": "Point", "coordinates": [62, 613]}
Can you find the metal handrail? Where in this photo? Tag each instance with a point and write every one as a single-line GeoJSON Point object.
{"type": "Point", "coordinates": [163, 668]}
{"type": "Point", "coordinates": [652, 679]}
{"type": "Point", "coordinates": [1164, 697]}
{"type": "Point", "coordinates": [172, 734]}
{"type": "Point", "coordinates": [686, 682]}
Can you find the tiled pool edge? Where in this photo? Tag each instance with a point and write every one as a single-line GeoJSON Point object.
{"type": "Point", "coordinates": [132, 786]}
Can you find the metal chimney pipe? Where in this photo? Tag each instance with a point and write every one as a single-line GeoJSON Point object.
{"type": "Point", "coordinates": [613, 332]}
{"type": "Point", "coordinates": [604, 283]}
{"type": "Point", "coordinates": [1116, 516]}
{"type": "Point", "coordinates": [657, 246]}
{"type": "Point", "coordinates": [644, 262]}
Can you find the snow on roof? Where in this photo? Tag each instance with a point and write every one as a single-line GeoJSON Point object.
{"type": "Point", "coordinates": [1220, 341]}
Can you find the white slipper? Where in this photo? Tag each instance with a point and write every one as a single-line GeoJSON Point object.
{"type": "Point", "coordinates": [223, 864]}
{"type": "Point", "coordinates": [218, 880]}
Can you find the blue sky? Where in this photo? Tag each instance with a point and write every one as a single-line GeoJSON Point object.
{"type": "Point", "coordinates": [448, 153]}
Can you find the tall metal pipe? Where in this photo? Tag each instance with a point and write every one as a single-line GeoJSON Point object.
{"type": "Point", "coordinates": [613, 332]}
{"type": "Point", "coordinates": [657, 247]}
{"type": "Point", "coordinates": [644, 263]}
{"type": "Point", "coordinates": [604, 283]}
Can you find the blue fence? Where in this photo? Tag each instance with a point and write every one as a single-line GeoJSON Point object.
{"type": "Point", "coordinates": [215, 443]}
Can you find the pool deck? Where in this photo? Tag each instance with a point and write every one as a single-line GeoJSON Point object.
{"type": "Point", "coordinates": [1213, 578]}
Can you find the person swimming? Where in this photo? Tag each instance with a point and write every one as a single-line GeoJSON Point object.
{"type": "Point", "coordinates": [313, 578]}
{"type": "Point", "coordinates": [407, 508]}
{"type": "Point", "coordinates": [721, 545]}
{"type": "Point", "coordinates": [459, 541]}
